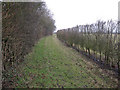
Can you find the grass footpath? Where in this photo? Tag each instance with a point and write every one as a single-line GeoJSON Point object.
{"type": "Point", "coordinates": [51, 64]}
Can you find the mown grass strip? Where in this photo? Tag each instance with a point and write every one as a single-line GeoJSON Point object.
{"type": "Point", "coordinates": [51, 64]}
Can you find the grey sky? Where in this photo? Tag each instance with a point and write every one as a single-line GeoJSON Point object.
{"type": "Point", "coordinates": [68, 13]}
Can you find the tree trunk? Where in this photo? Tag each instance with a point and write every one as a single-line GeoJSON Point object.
{"type": "Point", "coordinates": [100, 55]}
{"type": "Point", "coordinates": [94, 52]}
{"type": "Point", "coordinates": [118, 64]}
{"type": "Point", "coordinates": [107, 58]}
{"type": "Point", "coordinates": [86, 50]}
{"type": "Point", "coordinates": [89, 51]}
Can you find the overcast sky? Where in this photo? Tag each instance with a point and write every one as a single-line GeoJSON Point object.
{"type": "Point", "coordinates": [69, 13]}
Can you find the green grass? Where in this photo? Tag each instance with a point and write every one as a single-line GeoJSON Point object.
{"type": "Point", "coordinates": [51, 64]}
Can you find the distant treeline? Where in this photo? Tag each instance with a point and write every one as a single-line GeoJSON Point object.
{"type": "Point", "coordinates": [24, 23]}
{"type": "Point", "coordinates": [101, 39]}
